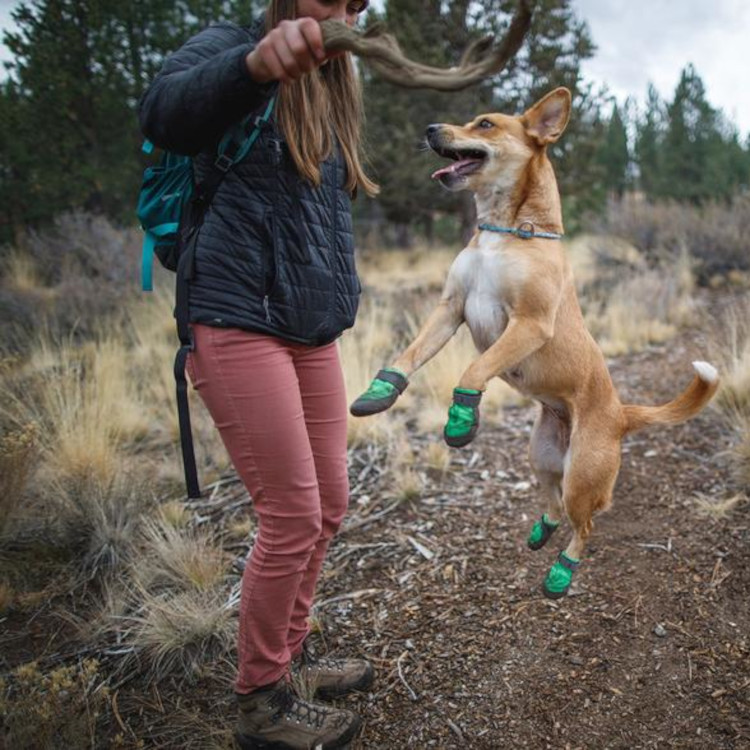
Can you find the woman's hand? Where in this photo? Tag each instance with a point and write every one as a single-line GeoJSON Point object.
{"type": "Point", "coordinates": [287, 52]}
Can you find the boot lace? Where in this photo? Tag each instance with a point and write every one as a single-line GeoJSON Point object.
{"type": "Point", "coordinates": [311, 659]}
{"type": "Point", "coordinates": [329, 664]}
{"type": "Point", "coordinates": [293, 708]}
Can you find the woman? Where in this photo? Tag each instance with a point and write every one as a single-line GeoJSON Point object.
{"type": "Point", "coordinates": [274, 284]}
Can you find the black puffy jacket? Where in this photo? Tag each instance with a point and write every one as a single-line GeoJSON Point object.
{"type": "Point", "coordinates": [274, 254]}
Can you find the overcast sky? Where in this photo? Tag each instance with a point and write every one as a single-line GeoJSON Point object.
{"type": "Point", "coordinates": [642, 41]}
{"type": "Point", "coordinates": [651, 41]}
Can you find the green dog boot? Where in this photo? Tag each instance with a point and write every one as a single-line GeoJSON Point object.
{"type": "Point", "coordinates": [558, 580]}
{"type": "Point", "coordinates": [463, 417]}
{"type": "Point", "coordinates": [542, 530]}
{"type": "Point", "coordinates": [386, 387]}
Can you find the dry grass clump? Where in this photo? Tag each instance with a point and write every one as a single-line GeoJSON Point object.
{"type": "Point", "coordinates": [717, 508]}
{"type": "Point", "coordinates": [58, 709]}
{"type": "Point", "coordinates": [70, 468]}
{"type": "Point", "coordinates": [84, 403]}
{"type": "Point", "coordinates": [173, 513]}
{"type": "Point", "coordinates": [179, 633]}
{"type": "Point", "coordinates": [730, 351]}
{"type": "Point", "coordinates": [20, 272]}
{"type": "Point", "coordinates": [174, 611]}
{"type": "Point", "coordinates": [437, 456]}
{"type": "Point", "coordinates": [406, 484]}
{"type": "Point", "coordinates": [182, 559]}
{"type": "Point", "coordinates": [101, 522]}
{"type": "Point", "coordinates": [241, 527]}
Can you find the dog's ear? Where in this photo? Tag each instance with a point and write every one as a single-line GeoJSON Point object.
{"type": "Point", "coordinates": [545, 121]}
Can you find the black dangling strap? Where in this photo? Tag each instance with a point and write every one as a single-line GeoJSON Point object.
{"type": "Point", "coordinates": [186, 340]}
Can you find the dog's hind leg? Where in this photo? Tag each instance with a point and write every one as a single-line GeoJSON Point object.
{"type": "Point", "coordinates": [590, 472]}
{"type": "Point", "coordinates": [549, 444]}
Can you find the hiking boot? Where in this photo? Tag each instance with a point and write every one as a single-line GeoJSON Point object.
{"type": "Point", "coordinates": [274, 718]}
{"type": "Point", "coordinates": [329, 678]}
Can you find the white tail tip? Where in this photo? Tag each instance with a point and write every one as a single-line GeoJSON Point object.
{"type": "Point", "coordinates": [706, 372]}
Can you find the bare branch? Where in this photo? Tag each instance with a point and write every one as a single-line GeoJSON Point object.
{"type": "Point", "coordinates": [480, 60]}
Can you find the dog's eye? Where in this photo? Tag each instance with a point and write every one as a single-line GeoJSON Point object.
{"type": "Point", "coordinates": [486, 124]}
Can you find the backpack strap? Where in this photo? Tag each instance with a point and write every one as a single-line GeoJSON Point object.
{"type": "Point", "coordinates": [231, 151]}
{"type": "Point", "coordinates": [150, 241]}
{"type": "Point", "coordinates": [229, 154]}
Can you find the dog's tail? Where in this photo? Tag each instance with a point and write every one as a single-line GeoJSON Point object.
{"type": "Point", "coordinates": [686, 405]}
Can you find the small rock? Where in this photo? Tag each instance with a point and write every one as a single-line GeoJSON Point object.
{"type": "Point", "coordinates": [660, 630]}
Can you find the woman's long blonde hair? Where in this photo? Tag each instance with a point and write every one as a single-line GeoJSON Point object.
{"type": "Point", "coordinates": [305, 112]}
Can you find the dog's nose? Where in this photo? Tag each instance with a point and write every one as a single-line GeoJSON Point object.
{"type": "Point", "coordinates": [432, 129]}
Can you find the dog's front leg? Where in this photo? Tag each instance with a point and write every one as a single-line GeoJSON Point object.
{"type": "Point", "coordinates": [437, 330]}
{"type": "Point", "coordinates": [389, 383]}
{"type": "Point", "coordinates": [522, 337]}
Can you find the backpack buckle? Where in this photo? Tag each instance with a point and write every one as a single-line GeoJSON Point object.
{"type": "Point", "coordinates": [223, 163]}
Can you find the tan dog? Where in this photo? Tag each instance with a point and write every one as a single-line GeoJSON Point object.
{"type": "Point", "coordinates": [517, 295]}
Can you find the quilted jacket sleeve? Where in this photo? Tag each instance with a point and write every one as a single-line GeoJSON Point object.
{"type": "Point", "coordinates": [201, 90]}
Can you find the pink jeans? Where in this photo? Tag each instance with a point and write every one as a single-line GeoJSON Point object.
{"type": "Point", "coordinates": [281, 411]}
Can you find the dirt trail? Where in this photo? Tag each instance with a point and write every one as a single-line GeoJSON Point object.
{"type": "Point", "coordinates": [650, 650]}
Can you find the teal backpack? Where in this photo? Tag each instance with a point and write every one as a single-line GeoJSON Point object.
{"type": "Point", "coordinates": [170, 200]}
{"type": "Point", "coordinates": [171, 208]}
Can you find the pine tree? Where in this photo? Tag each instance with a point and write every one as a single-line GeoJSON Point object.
{"type": "Point", "coordinates": [614, 155]}
{"type": "Point", "coordinates": [68, 109]}
{"type": "Point", "coordinates": [687, 150]}
{"type": "Point", "coordinates": [649, 141]}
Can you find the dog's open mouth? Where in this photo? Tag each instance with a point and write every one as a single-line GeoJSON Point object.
{"type": "Point", "coordinates": [465, 162]}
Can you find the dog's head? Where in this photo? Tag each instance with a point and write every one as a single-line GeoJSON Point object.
{"type": "Point", "coordinates": [492, 150]}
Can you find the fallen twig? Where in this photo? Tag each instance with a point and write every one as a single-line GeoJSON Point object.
{"type": "Point", "coordinates": [412, 694]}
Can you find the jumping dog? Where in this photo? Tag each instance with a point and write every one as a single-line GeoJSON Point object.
{"type": "Point", "coordinates": [513, 286]}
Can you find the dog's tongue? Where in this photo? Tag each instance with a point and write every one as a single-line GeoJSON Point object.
{"type": "Point", "coordinates": [455, 167]}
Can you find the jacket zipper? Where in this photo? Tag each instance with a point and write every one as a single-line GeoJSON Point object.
{"type": "Point", "coordinates": [275, 260]}
{"type": "Point", "coordinates": [334, 218]}
{"type": "Point", "coordinates": [277, 156]}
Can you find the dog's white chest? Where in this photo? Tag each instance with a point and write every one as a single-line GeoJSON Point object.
{"type": "Point", "coordinates": [483, 274]}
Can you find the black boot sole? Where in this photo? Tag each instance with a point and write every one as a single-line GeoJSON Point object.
{"type": "Point", "coordinates": [554, 594]}
{"type": "Point", "coordinates": [364, 407]}
{"type": "Point", "coordinates": [461, 441]}
{"type": "Point", "coordinates": [547, 533]}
